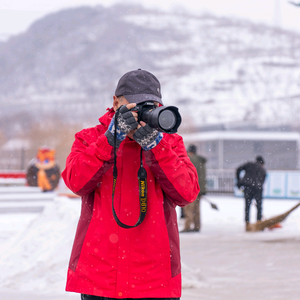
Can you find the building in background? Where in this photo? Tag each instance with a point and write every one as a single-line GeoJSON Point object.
{"type": "Point", "coordinates": [226, 150]}
{"type": "Point", "coordinates": [13, 154]}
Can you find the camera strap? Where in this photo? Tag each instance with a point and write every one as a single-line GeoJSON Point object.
{"type": "Point", "coordinates": [142, 177]}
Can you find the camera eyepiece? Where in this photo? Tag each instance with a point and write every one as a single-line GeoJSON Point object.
{"type": "Point", "coordinates": [164, 118]}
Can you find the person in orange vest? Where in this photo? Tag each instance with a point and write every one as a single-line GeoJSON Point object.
{"type": "Point", "coordinates": [43, 171]}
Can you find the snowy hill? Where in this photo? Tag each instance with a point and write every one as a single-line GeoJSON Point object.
{"type": "Point", "coordinates": [217, 70]}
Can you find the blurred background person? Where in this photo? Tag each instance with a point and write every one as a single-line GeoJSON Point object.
{"type": "Point", "coordinates": [43, 171]}
{"type": "Point", "coordinates": [191, 212]}
{"type": "Point", "coordinates": [252, 181]}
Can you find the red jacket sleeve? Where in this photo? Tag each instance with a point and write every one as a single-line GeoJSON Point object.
{"type": "Point", "coordinates": [173, 170]}
{"type": "Point", "coordinates": [91, 156]}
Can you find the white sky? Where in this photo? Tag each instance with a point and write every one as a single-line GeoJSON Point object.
{"type": "Point", "coordinates": [17, 15]}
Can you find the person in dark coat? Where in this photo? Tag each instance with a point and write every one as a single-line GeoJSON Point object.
{"type": "Point", "coordinates": [192, 211]}
{"type": "Point", "coordinates": [252, 181]}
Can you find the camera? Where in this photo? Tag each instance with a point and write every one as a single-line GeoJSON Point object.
{"type": "Point", "coordinates": [164, 118]}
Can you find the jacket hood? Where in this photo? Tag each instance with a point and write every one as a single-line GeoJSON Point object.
{"type": "Point", "coordinates": [106, 118]}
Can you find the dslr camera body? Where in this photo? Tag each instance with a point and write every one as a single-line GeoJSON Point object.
{"type": "Point", "coordinates": [164, 118]}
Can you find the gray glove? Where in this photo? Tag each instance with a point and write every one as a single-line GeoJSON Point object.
{"type": "Point", "coordinates": [126, 123]}
{"type": "Point", "coordinates": [147, 137]}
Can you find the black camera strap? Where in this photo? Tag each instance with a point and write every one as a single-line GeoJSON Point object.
{"type": "Point", "coordinates": [142, 177]}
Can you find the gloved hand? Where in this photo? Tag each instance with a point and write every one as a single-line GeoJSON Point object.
{"type": "Point", "coordinates": [239, 185]}
{"type": "Point", "coordinates": [126, 123]}
{"type": "Point", "coordinates": [147, 137]}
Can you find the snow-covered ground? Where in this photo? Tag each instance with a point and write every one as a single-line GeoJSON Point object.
{"type": "Point", "coordinates": [221, 262]}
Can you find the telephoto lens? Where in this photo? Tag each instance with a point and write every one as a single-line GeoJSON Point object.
{"type": "Point", "coordinates": [164, 118]}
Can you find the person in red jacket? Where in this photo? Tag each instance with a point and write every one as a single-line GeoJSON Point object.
{"type": "Point", "coordinates": [107, 260]}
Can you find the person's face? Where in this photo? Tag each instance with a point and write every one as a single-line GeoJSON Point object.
{"type": "Point", "coordinates": [119, 101]}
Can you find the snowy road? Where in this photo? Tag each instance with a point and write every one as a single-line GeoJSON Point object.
{"type": "Point", "coordinates": [243, 269]}
{"type": "Point", "coordinates": [238, 265]}
{"type": "Point", "coordinates": [221, 262]}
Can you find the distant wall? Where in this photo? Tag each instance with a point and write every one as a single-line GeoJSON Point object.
{"type": "Point", "coordinates": [278, 155]}
{"type": "Point", "coordinates": [229, 154]}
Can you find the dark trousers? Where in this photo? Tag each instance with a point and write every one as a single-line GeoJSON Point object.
{"type": "Point", "coordinates": [89, 297]}
{"type": "Point", "coordinates": [249, 194]}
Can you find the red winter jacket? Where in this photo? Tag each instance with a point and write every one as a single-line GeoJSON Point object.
{"type": "Point", "coordinates": [108, 260]}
